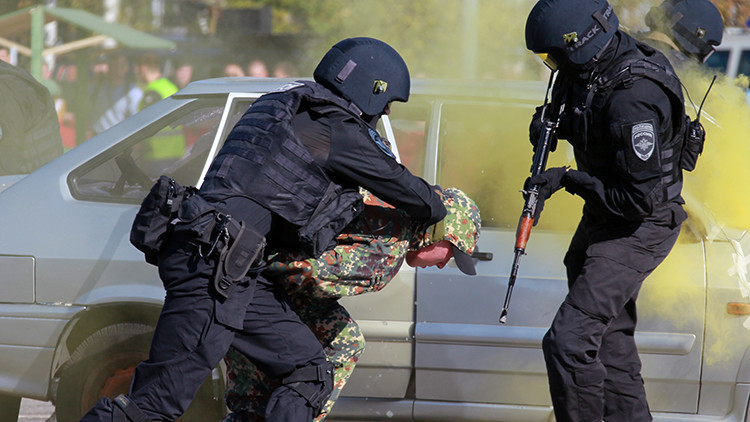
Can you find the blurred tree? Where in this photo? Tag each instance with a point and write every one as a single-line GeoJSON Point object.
{"type": "Point", "coordinates": [428, 33]}
{"type": "Point", "coordinates": [137, 14]}
{"type": "Point", "coordinates": [11, 5]}
{"type": "Point", "coordinates": [734, 12]}
{"type": "Point", "coordinates": [432, 35]}
{"type": "Point", "coordinates": [93, 6]}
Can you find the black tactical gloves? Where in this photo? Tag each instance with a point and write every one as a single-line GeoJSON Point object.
{"type": "Point", "coordinates": [535, 130]}
{"type": "Point", "coordinates": [548, 182]}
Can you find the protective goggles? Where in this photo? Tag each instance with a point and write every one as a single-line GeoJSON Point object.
{"type": "Point", "coordinates": [548, 60]}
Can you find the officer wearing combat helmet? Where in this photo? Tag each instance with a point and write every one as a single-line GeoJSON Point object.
{"type": "Point", "coordinates": [288, 175]}
{"type": "Point", "coordinates": [684, 30]}
{"type": "Point", "coordinates": [368, 255]}
{"type": "Point", "coordinates": [619, 104]}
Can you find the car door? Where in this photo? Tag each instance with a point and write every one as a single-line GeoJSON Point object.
{"type": "Point", "coordinates": [66, 235]}
{"type": "Point", "coordinates": [462, 353]}
{"type": "Point", "coordinates": [384, 370]}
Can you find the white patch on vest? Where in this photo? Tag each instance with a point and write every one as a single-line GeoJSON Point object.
{"type": "Point", "coordinates": [287, 87]}
{"type": "Point", "coordinates": [644, 140]}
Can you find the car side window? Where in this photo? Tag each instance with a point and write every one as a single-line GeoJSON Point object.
{"type": "Point", "coordinates": [178, 149]}
{"type": "Point", "coordinates": [718, 61]}
{"type": "Point", "coordinates": [484, 150]}
{"type": "Point", "coordinates": [743, 68]}
{"type": "Point", "coordinates": [409, 123]}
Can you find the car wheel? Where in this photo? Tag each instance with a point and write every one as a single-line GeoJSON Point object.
{"type": "Point", "coordinates": [102, 366]}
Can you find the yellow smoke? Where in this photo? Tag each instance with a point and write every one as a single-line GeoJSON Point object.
{"type": "Point", "coordinates": [722, 173]}
{"type": "Point", "coordinates": [675, 291]}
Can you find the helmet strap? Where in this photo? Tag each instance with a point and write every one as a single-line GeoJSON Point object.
{"type": "Point", "coordinates": [602, 21]}
{"type": "Point", "coordinates": [588, 69]}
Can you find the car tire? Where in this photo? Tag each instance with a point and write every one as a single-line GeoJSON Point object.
{"type": "Point", "coordinates": [102, 366]}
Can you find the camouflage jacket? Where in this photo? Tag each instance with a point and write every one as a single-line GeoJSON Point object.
{"type": "Point", "coordinates": [369, 253]}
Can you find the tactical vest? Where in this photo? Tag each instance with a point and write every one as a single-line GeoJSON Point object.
{"type": "Point", "coordinates": [654, 66]}
{"type": "Point", "coordinates": [264, 160]}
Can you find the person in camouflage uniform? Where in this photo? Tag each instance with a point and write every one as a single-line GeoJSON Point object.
{"type": "Point", "coordinates": [368, 255]}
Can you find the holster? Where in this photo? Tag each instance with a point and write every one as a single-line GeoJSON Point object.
{"type": "Point", "coordinates": [216, 234]}
{"type": "Point", "coordinates": [237, 254]}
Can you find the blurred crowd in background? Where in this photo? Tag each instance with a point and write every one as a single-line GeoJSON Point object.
{"type": "Point", "coordinates": [466, 39]}
{"type": "Point", "coordinates": [99, 86]}
{"type": "Point", "coordinates": [117, 80]}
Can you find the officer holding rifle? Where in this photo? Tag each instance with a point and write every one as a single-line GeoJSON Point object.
{"type": "Point", "coordinates": [620, 106]}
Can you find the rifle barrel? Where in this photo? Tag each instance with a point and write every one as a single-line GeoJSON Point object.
{"type": "Point", "coordinates": [511, 283]}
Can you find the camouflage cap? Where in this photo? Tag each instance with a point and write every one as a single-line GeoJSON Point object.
{"type": "Point", "coordinates": [461, 227]}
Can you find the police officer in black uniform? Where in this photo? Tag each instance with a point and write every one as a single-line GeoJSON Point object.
{"type": "Point", "coordinates": [289, 172]}
{"type": "Point", "coordinates": [620, 106]}
{"type": "Point", "coordinates": [684, 30]}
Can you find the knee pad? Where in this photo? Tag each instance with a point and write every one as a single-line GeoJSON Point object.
{"type": "Point", "coordinates": [119, 409]}
{"type": "Point", "coordinates": [314, 383]}
{"type": "Point", "coordinates": [124, 410]}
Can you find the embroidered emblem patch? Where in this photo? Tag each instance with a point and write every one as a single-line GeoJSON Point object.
{"type": "Point", "coordinates": [643, 139]}
{"type": "Point", "coordinates": [382, 143]}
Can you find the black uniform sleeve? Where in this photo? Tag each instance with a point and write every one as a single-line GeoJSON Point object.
{"type": "Point", "coordinates": [355, 156]}
{"type": "Point", "coordinates": [639, 124]}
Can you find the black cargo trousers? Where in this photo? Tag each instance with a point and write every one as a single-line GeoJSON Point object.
{"type": "Point", "coordinates": [196, 328]}
{"type": "Point", "coordinates": [592, 361]}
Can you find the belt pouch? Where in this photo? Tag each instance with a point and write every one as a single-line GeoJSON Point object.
{"type": "Point", "coordinates": [235, 261]}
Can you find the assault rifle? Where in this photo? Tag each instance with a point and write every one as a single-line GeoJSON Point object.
{"type": "Point", "coordinates": [526, 222]}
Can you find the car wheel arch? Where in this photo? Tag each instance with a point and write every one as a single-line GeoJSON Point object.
{"type": "Point", "coordinates": [93, 319]}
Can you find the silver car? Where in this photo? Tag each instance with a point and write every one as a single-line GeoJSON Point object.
{"type": "Point", "coordinates": [78, 302]}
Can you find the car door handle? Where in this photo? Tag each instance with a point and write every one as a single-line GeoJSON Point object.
{"type": "Point", "coordinates": [482, 256]}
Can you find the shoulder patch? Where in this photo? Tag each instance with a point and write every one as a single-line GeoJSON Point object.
{"type": "Point", "coordinates": [643, 140]}
{"type": "Point", "coordinates": [382, 143]}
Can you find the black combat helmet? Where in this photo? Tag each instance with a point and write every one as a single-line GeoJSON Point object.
{"type": "Point", "coordinates": [571, 31]}
{"type": "Point", "coordinates": [695, 26]}
{"type": "Point", "coordinates": [365, 71]}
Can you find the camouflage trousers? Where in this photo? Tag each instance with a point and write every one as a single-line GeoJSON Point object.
{"type": "Point", "coordinates": [360, 263]}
